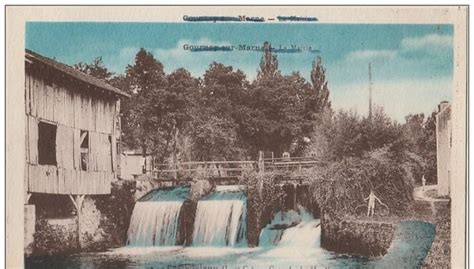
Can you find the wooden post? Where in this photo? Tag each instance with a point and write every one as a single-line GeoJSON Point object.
{"type": "Point", "coordinates": [77, 202]}
{"type": "Point", "coordinates": [261, 162]}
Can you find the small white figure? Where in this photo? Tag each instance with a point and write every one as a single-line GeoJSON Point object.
{"type": "Point", "coordinates": [371, 203]}
{"type": "Point", "coordinates": [423, 181]}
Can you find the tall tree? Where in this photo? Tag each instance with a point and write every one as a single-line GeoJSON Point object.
{"type": "Point", "coordinates": [178, 99]}
{"type": "Point", "coordinates": [286, 107]}
{"type": "Point", "coordinates": [320, 86]}
{"type": "Point", "coordinates": [268, 63]}
{"type": "Point", "coordinates": [147, 82]}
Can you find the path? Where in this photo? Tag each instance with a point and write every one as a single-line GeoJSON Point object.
{"type": "Point", "coordinates": [420, 194]}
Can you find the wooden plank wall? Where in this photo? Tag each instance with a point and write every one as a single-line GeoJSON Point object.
{"type": "Point", "coordinates": [71, 112]}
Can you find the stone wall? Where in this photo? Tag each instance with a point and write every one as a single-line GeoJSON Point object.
{"type": "Point", "coordinates": [355, 237]}
{"type": "Point", "coordinates": [92, 233]}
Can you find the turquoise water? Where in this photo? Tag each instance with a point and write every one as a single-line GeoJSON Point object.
{"type": "Point", "coordinates": [167, 194]}
{"type": "Point", "coordinates": [221, 219]}
{"type": "Point", "coordinates": [410, 246]}
{"type": "Point", "coordinates": [154, 221]}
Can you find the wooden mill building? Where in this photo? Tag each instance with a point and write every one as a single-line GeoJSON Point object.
{"type": "Point", "coordinates": [72, 130]}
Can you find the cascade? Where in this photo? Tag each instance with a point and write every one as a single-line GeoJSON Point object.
{"type": "Point", "coordinates": [221, 218]}
{"type": "Point", "coordinates": [154, 220]}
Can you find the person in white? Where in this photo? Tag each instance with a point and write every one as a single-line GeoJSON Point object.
{"type": "Point", "coordinates": [371, 203]}
{"type": "Point", "coordinates": [423, 181]}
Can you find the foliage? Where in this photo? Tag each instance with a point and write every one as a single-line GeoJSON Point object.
{"type": "Point", "coordinates": [268, 63]}
{"type": "Point", "coordinates": [53, 239]}
{"type": "Point", "coordinates": [287, 107]}
{"type": "Point", "coordinates": [320, 86]}
{"type": "Point", "coordinates": [96, 69]}
{"type": "Point", "coordinates": [264, 199]}
{"type": "Point", "coordinates": [218, 114]}
{"type": "Point", "coordinates": [261, 189]}
{"type": "Point", "coordinates": [223, 115]}
{"type": "Point", "coordinates": [342, 186]}
{"type": "Point", "coordinates": [420, 134]}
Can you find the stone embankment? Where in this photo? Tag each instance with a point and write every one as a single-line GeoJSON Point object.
{"type": "Point", "coordinates": [356, 237]}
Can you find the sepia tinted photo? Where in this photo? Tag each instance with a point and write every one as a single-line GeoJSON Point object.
{"type": "Point", "coordinates": [243, 137]}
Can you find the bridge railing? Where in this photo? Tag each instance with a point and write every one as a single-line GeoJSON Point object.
{"type": "Point", "coordinates": [229, 169]}
{"type": "Point", "coordinates": [290, 164]}
{"type": "Point", "coordinates": [216, 169]}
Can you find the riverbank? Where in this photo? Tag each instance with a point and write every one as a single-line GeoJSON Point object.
{"type": "Point", "coordinates": [373, 236]}
{"type": "Point", "coordinates": [426, 197]}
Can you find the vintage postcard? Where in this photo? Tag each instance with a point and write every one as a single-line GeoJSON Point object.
{"type": "Point", "coordinates": [236, 137]}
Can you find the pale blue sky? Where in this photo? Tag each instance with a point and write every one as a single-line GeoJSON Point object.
{"type": "Point", "coordinates": [412, 64]}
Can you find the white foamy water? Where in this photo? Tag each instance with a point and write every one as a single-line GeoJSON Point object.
{"type": "Point", "coordinates": [219, 223]}
{"type": "Point", "coordinates": [307, 234]}
{"type": "Point", "coordinates": [154, 223]}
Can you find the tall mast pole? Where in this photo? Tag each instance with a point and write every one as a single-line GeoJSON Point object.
{"type": "Point", "coordinates": [370, 92]}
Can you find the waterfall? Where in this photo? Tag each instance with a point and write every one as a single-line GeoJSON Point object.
{"type": "Point", "coordinates": [221, 219]}
{"type": "Point", "coordinates": [295, 229]}
{"type": "Point", "coordinates": [154, 219]}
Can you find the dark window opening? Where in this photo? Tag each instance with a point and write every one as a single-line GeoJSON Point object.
{"type": "Point", "coordinates": [84, 150]}
{"type": "Point", "coordinates": [47, 143]}
{"type": "Point", "coordinates": [52, 206]}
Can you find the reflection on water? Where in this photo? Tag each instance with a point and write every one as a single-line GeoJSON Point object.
{"type": "Point", "coordinates": [411, 244]}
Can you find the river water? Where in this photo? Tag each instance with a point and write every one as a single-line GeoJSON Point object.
{"type": "Point", "coordinates": [290, 241]}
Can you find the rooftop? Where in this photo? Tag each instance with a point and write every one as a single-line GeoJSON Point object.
{"type": "Point", "coordinates": [74, 73]}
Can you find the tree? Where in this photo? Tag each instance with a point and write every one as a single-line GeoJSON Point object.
{"type": "Point", "coordinates": [214, 137]}
{"type": "Point", "coordinates": [320, 86]}
{"type": "Point", "coordinates": [96, 69]}
{"type": "Point", "coordinates": [147, 82]}
{"type": "Point", "coordinates": [285, 107]}
{"type": "Point", "coordinates": [220, 113]}
{"type": "Point", "coordinates": [268, 63]}
{"type": "Point", "coordinates": [178, 99]}
{"type": "Point", "coordinates": [421, 138]}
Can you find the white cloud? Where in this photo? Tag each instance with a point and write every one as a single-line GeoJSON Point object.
{"type": "Point", "coordinates": [431, 44]}
{"type": "Point", "coordinates": [398, 98]}
{"type": "Point", "coordinates": [426, 41]}
{"type": "Point", "coordinates": [371, 54]}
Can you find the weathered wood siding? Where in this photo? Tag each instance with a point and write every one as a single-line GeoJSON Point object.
{"type": "Point", "coordinates": [71, 111]}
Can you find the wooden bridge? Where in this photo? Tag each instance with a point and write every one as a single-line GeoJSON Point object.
{"type": "Point", "coordinates": [229, 170]}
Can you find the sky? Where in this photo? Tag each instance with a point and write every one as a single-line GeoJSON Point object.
{"type": "Point", "coordinates": [412, 65]}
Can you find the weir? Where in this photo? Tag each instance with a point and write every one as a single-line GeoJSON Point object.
{"type": "Point", "coordinates": [154, 219]}
{"type": "Point", "coordinates": [168, 217]}
{"type": "Point", "coordinates": [221, 218]}
{"type": "Point", "coordinates": [294, 228]}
